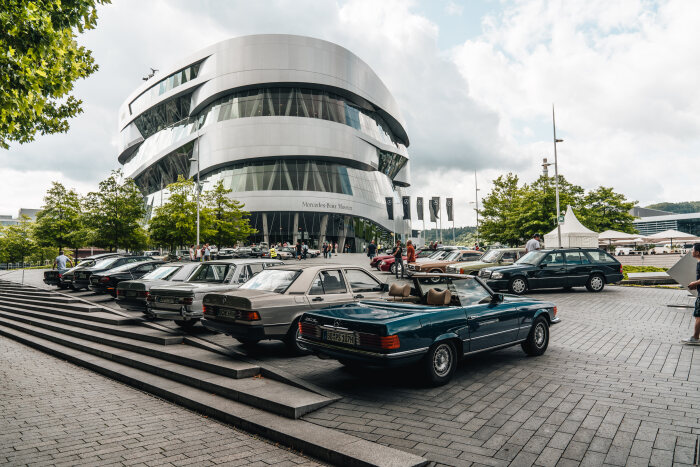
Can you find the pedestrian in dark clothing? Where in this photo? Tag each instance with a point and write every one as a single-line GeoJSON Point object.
{"type": "Point", "coordinates": [695, 285]}
{"type": "Point", "coordinates": [371, 250]}
{"type": "Point", "coordinates": [298, 247]}
{"type": "Point", "coordinates": [398, 259]}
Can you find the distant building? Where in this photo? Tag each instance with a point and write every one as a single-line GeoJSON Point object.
{"type": "Point", "coordinates": [647, 212]}
{"type": "Point", "coordinates": [7, 219]}
{"type": "Point", "coordinates": [654, 223]}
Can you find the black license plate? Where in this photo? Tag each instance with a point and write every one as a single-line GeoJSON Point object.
{"type": "Point", "coordinates": [344, 337]}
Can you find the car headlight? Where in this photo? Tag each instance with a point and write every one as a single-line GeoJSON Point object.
{"type": "Point", "coordinates": [382, 263]}
{"type": "Point", "coordinates": [496, 275]}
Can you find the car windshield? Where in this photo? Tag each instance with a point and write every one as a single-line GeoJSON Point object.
{"type": "Point", "coordinates": [87, 263]}
{"type": "Point", "coordinates": [161, 272]}
{"type": "Point", "coordinates": [532, 258]}
{"type": "Point", "coordinates": [105, 263]}
{"type": "Point", "coordinates": [272, 280]}
{"type": "Point", "coordinates": [213, 273]}
{"type": "Point", "coordinates": [453, 255]}
{"type": "Point", "coordinates": [124, 267]}
{"type": "Point", "coordinates": [439, 254]}
{"type": "Point", "coordinates": [491, 257]}
{"type": "Point", "coordinates": [469, 291]}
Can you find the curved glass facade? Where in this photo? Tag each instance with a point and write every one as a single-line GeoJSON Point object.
{"type": "Point", "coordinates": [166, 170]}
{"type": "Point", "coordinates": [163, 115]}
{"type": "Point", "coordinates": [302, 175]}
{"type": "Point", "coordinates": [163, 86]}
{"type": "Point", "coordinates": [299, 102]}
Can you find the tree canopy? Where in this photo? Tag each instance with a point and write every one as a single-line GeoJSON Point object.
{"type": "Point", "coordinates": [511, 213]}
{"type": "Point", "coordinates": [17, 241]}
{"type": "Point", "coordinates": [228, 220]}
{"type": "Point", "coordinates": [115, 212]}
{"type": "Point", "coordinates": [40, 62]}
{"type": "Point", "coordinates": [59, 223]}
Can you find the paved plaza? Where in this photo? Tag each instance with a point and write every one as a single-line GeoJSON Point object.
{"type": "Point", "coordinates": [615, 387]}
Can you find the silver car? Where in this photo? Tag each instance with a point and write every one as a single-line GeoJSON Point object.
{"type": "Point", "coordinates": [131, 295]}
{"type": "Point", "coordinates": [269, 305]}
{"type": "Point", "coordinates": [183, 302]}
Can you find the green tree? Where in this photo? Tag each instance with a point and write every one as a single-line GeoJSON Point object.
{"type": "Point", "coordinates": [59, 223]}
{"type": "Point", "coordinates": [603, 209]}
{"type": "Point", "coordinates": [499, 212]}
{"type": "Point", "coordinates": [175, 222]}
{"type": "Point", "coordinates": [228, 223]}
{"type": "Point", "coordinates": [114, 214]}
{"type": "Point", "coordinates": [16, 242]}
{"type": "Point", "coordinates": [40, 61]}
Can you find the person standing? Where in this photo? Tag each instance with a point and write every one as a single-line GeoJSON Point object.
{"type": "Point", "coordinates": [60, 262]}
{"type": "Point", "coordinates": [335, 248]}
{"type": "Point", "coordinates": [198, 254]}
{"type": "Point", "coordinates": [207, 252]}
{"type": "Point", "coordinates": [371, 250]}
{"type": "Point", "coordinates": [273, 252]}
{"type": "Point", "coordinates": [304, 250]}
{"type": "Point", "coordinates": [298, 248]}
{"type": "Point", "coordinates": [398, 259]}
{"type": "Point", "coordinates": [325, 250]}
{"type": "Point", "coordinates": [533, 244]}
{"type": "Point", "coordinates": [191, 252]}
{"type": "Point", "coordinates": [410, 252]}
{"type": "Point", "coordinates": [695, 338]}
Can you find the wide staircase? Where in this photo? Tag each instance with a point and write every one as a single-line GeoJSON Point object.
{"type": "Point", "coordinates": [173, 366]}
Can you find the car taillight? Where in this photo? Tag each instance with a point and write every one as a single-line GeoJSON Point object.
{"type": "Point", "coordinates": [206, 310]}
{"type": "Point", "coordinates": [308, 329]}
{"type": "Point", "coordinates": [143, 293]}
{"type": "Point", "coordinates": [120, 292]}
{"type": "Point", "coordinates": [244, 315]}
{"type": "Point", "coordinates": [60, 275]}
{"type": "Point", "coordinates": [150, 298]}
{"type": "Point", "coordinates": [555, 311]}
{"type": "Point", "coordinates": [382, 342]}
{"type": "Point", "coordinates": [621, 270]}
{"type": "Point", "coordinates": [461, 270]}
{"type": "Point", "coordinates": [104, 279]}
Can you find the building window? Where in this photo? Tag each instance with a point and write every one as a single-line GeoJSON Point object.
{"type": "Point", "coordinates": [166, 170]}
{"type": "Point", "coordinates": [161, 87]}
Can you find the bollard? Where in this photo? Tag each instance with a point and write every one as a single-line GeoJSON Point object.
{"type": "Point", "coordinates": [22, 276]}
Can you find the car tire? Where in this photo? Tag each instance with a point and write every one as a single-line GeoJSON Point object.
{"type": "Point", "coordinates": [435, 280]}
{"type": "Point", "coordinates": [440, 363]}
{"type": "Point", "coordinates": [596, 283]}
{"type": "Point", "coordinates": [392, 268]}
{"type": "Point", "coordinates": [538, 339]}
{"type": "Point", "coordinates": [518, 285]}
{"type": "Point", "coordinates": [290, 340]}
{"type": "Point", "coordinates": [186, 323]}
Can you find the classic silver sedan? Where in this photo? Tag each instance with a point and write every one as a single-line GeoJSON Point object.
{"type": "Point", "coordinates": [269, 305]}
{"type": "Point", "coordinates": [183, 302]}
{"type": "Point", "coordinates": [131, 295]}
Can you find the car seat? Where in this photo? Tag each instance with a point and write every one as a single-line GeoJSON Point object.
{"type": "Point", "coordinates": [439, 297]}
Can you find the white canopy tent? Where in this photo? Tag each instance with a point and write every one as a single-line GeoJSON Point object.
{"type": "Point", "coordinates": [573, 234]}
{"type": "Point", "coordinates": [671, 235]}
{"type": "Point", "coordinates": [613, 236]}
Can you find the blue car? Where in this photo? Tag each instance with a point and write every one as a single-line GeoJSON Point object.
{"type": "Point", "coordinates": [432, 326]}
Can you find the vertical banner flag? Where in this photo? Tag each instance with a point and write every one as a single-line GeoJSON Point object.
{"type": "Point", "coordinates": [448, 204]}
{"type": "Point", "coordinates": [406, 207]}
{"type": "Point", "coordinates": [390, 207]}
{"type": "Point", "coordinates": [419, 207]}
{"type": "Point", "coordinates": [434, 208]}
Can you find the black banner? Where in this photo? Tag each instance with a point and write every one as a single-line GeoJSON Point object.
{"type": "Point", "coordinates": [419, 207]}
{"type": "Point", "coordinates": [448, 204]}
{"type": "Point", "coordinates": [390, 207]}
{"type": "Point", "coordinates": [434, 208]}
{"type": "Point", "coordinates": [406, 207]}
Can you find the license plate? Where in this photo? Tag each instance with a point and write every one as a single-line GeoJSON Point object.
{"type": "Point", "coordinates": [340, 336]}
{"type": "Point", "coordinates": [167, 300]}
{"type": "Point", "coordinates": [130, 293]}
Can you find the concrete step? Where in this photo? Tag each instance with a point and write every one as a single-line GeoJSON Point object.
{"type": "Point", "coordinates": [140, 333]}
{"type": "Point", "coordinates": [263, 393]}
{"type": "Point", "coordinates": [100, 316]}
{"type": "Point", "coordinates": [52, 301]}
{"type": "Point", "coordinates": [27, 291]}
{"type": "Point", "coordinates": [320, 442]}
{"type": "Point", "coordinates": [36, 296]}
{"type": "Point", "coordinates": [85, 340]}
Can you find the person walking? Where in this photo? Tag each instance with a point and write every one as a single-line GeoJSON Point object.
{"type": "Point", "coordinates": [273, 252]}
{"type": "Point", "coordinates": [695, 338]}
{"type": "Point", "coordinates": [533, 244]}
{"type": "Point", "coordinates": [371, 250]}
{"type": "Point", "coordinates": [335, 248]}
{"type": "Point", "coordinates": [398, 259]}
{"type": "Point", "coordinates": [325, 250]}
{"type": "Point", "coordinates": [191, 252]}
{"type": "Point", "coordinates": [207, 252]}
{"type": "Point", "coordinates": [298, 250]}
{"type": "Point", "coordinates": [60, 262]}
{"type": "Point", "coordinates": [410, 252]}
{"type": "Point", "coordinates": [304, 250]}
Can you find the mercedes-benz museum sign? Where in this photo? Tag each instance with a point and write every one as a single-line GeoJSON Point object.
{"type": "Point", "coordinates": [302, 131]}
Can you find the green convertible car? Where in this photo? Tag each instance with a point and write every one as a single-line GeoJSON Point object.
{"type": "Point", "coordinates": [428, 326]}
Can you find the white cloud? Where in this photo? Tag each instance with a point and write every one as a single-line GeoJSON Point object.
{"type": "Point", "coordinates": [454, 9]}
{"type": "Point", "coordinates": [26, 188]}
{"type": "Point", "coordinates": [623, 76]}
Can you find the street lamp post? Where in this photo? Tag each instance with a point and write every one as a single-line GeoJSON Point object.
{"type": "Point", "coordinates": [556, 175]}
{"type": "Point", "coordinates": [198, 190]}
{"type": "Point", "coordinates": [476, 197]}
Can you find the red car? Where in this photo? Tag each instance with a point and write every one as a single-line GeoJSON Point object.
{"type": "Point", "coordinates": [374, 262]}
{"type": "Point", "coordinates": [387, 263]}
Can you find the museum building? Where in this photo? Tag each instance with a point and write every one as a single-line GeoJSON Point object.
{"type": "Point", "coordinates": [301, 129]}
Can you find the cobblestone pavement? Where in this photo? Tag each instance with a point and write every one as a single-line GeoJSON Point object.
{"type": "Point", "coordinates": [615, 387]}
{"type": "Point", "coordinates": [55, 413]}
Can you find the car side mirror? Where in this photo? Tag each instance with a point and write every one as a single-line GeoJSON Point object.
{"type": "Point", "coordinates": [384, 287]}
{"type": "Point", "coordinates": [497, 298]}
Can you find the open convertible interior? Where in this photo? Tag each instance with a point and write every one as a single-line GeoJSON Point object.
{"type": "Point", "coordinates": [453, 291]}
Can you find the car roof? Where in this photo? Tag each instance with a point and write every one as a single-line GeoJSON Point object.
{"type": "Point", "coordinates": [243, 261]}
{"type": "Point", "coordinates": [317, 267]}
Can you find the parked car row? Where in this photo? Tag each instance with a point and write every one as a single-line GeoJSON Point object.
{"type": "Point", "coordinates": [334, 311]}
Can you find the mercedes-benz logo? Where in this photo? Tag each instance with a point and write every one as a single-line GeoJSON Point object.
{"type": "Point", "coordinates": [336, 324]}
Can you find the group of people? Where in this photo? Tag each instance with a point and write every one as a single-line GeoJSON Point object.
{"type": "Point", "coordinates": [200, 253]}
{"type": "Point", "coordinates": [398, 256]}
{"type": "Point", "coordinates": [329, 249]}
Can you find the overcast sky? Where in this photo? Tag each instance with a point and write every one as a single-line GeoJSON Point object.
{"type": "Point", "coordinates": [474, 80]}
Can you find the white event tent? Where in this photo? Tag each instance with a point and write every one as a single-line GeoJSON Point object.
{"type": "Point", "coordinates": [671, 235]}
{"type": "Point", "coordinates": [613, 236]}
{"type": "Point", "coordinates": [573, 234]}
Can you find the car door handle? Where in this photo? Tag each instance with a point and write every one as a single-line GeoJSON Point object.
{"type": "Point", "coordinates": [359, 296]}
{"type": "Point", "coordinates": [317, 299]}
